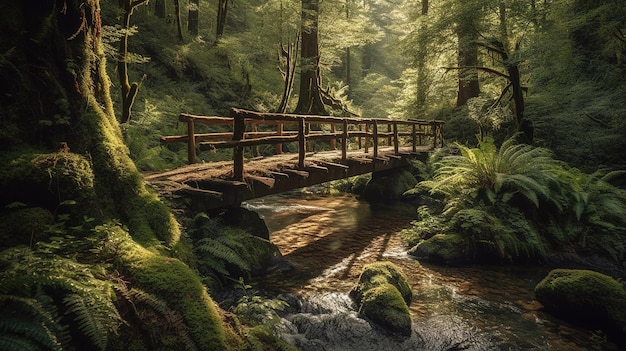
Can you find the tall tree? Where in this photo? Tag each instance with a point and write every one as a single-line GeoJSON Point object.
{"type": "Point", "coordinates": [222, 11]}
{"type": "Point", "coordinates": [467, 33]}
{"type": "Point", "coordinates": [192, 17]}
{"type": "Point", "coordinates": [310, 98]}
{"type": "Point", "coordinates": [58, 65]}
{"type": "Point", "coordinates": [160, 8]}
{"type": "Point", "coordinates": [179, 25]}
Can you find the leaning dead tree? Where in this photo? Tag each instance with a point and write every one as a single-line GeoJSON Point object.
{"type": "Point", "coordinates": [129, 91]}
{"type": "Point", "coordinates": [288, 58]}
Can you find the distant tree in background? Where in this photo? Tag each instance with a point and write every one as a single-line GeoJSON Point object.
{"type": "Point", "coordinates": [310, 98]}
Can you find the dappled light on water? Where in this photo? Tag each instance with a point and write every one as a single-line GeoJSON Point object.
{"type": "Point", "coordinates": [327, 240]}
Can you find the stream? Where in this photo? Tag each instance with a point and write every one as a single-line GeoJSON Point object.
{"type": "Point", "coordinates": [326, 240]}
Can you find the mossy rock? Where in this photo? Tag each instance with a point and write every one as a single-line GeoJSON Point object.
{"type": "Point", "coordinates": [442, 249]}
{"type": "Point", "coordinates": [24, 226]}
{"type": "Point", "coordinates": [389, 185]}
{"type": "Point", "coordinates": [378, 273]}
{"type": "Point", "coordinates": [385, 306]}
{"type": "Point", "coordinates": [584, 296]}
{"type": "Point", "coordinates": [383, 294]}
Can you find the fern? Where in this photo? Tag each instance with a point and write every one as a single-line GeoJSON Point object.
{"type": "Point", "coordinates": [87, 298]}
{"type": "Point", "coordinates": [223, 249]}
{"type": "Point", "coordinates": [157, 318]}
{"type": "Point", "coordinates": [225, 253]}
{"type": "Point", "coordinates": [27, 324]}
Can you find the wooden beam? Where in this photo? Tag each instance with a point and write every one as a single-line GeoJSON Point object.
{"type": "Point", "coordinates": [303, 174]}
{"type": "Point", "coordinates": [315, 167]}
{"type": "Point", "coordinates": [331, 164]}
{"type": "Point", "coordinates": [268, 182]}
{"type": "Point", "coordinates": [208, 145]}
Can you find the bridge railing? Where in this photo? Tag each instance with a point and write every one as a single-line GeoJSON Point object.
{"type": "Point", "coordinates": [419, 132]}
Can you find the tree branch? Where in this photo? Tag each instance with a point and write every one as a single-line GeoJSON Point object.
{"type": "Point", "coordinates": [480, 68]}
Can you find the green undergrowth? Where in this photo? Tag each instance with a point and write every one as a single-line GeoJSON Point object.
{"type": "Point", "coordinates": [517, 202]}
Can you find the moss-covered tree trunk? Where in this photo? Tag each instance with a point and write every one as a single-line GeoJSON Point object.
{"type": "Point", "coordinates": [56, 92]}
{"type": "Point", "coordinates": [61, 94]}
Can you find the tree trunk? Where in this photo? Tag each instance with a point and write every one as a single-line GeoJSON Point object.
{"type": "Point", "coordinates": [310, 99]}
{"type": "Point", "coordinates": [59, 69]}
{"type": "Point", "coordinates": [179, 25]}
{"type": "Point", "coordinates": [222, 11]}
{"type": "Point", "coordinates": [160, 8]}
{"type": "Point", "coordinates": [420, 64]}
{"type": "Point", "coordinates": [192, 19]}
{"type": "Point", "coordinates": [348, 56]}
{"type": "Point", "coordinates": [288, 60]}
{"type": "Point", "coordinates": [129, 91]}
{"type": "Point", "coordinates": [468, 86]}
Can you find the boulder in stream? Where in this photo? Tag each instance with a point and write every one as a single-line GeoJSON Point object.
{"type": "Point", "coordinates": [585, 296]}
{"type": "Point", "coordinates": [446, 249]}
{"type": "Point", "coordinates": [383, 294]}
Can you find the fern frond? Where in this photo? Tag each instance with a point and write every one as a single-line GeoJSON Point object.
{"type": "Point", "coordinates": [224, 252]}
{"type": "Point", "coordinates": [93, 316]}
{"type": "Point", "coordinates": [27, 321]}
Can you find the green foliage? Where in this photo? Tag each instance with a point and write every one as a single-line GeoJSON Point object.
{"type": "Point", "coordinates": [255, 310]}
{"type": "Point", "coordinates": [225, 253]}
{"type": "Point", "coordinates": [30, 324]}
{"type": "Point", "coordinates": [164, 327]}
{"type": "Point", "coordinates": [517, 201]}
{"type": "Point", "coordinates": [491, 176]}
{"type": "Point", "coordinates": [84, 299]}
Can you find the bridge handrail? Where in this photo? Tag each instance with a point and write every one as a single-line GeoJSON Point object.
{"type": "Point", "coordinates": [240, 138]}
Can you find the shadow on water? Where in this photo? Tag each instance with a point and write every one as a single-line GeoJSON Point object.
{"type": "Point", "coordinates": [328, 239]}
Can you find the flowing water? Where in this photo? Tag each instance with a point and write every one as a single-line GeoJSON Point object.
{"type": "Point", "coordinates": [326, 241]}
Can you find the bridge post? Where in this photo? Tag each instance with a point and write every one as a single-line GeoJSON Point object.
{"type": "Point", "coordinates": [239, 129]}
{"type": "Point", "coordinates": [191, 142]}
{"type": "Point", "coordinates": [375, 131]}
{"type": "Point", "coordinates": [279, 132]}
{"type": "Point", "coordinates": [433, 126]}
{"type": "Point", "coordinates": [367, 138]}
{"type": "Point", "coordinates": [414, 137]}
{"type": "Point", "coordinates": [344, 142]}
{"type": "Point", "coordinates": [301, 142]}
{"type": "Point", "coordinates": [396, 142]}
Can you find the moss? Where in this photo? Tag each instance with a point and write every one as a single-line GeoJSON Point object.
{"type": "Point", "coordinates": [443, 249]}
{"type": "Point", "coordinates": [172, 281]}
{"type": "Point", "coordinates": [584, 296]}
{"type": "Point", "coordinates": [383, 294]}
{"type": "Point", "coordinates": [378, 273]}
{"type": "Point", "coordinates": [48, 180]}
{"type": "Point", "coordinates": [24, 226]}
{"type": "Point", "coordinates": [384, 305]}
{"type": "Point", "coordinates": [389, 185]}
{"type": "Point", "coordinates": [260, 339]}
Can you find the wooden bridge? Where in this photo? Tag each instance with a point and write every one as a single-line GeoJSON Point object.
{"type": "Point", "coordinates": [366, 145]}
